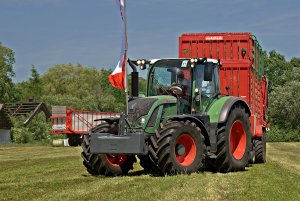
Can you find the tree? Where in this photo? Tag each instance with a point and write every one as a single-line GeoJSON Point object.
{"type": "Point", "coordinates": [295, 62]}
{"type": "Point", "coordinates": [276, 65]}
{"type": "Point", "coordinates": [284, 100]}
{"type": "Point", "coordinates": [35, 83]}
{"type": "Point", "coordinates": [117, 96]}
{"type": "Point", "coordinates": [7, 60]}
{"type": "Point", "coordinates": [284, 110]}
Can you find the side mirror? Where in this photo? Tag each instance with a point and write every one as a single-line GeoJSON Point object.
{"type": "Point", "coordinates": [208, 71]}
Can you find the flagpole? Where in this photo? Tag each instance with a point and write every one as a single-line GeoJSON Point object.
{"type": "Point", "coordinates": [125, 59]}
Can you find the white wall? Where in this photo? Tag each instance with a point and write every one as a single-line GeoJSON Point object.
{"type": "Point", "coordinates": [5, 136]}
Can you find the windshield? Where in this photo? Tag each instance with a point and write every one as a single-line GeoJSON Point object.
{"type": "Point", "coordinates": [167, 73]}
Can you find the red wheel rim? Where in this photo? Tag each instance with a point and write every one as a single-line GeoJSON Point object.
{"type": "Point", "coordinates": [116, 160]}
{"type": "Point", "coordinates": [185, 150]}
{"type": "Point", "coordinates": [238, 140]}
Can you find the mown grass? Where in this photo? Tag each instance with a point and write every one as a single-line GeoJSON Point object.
{"type": "Point", "coordinates": [57, 173]}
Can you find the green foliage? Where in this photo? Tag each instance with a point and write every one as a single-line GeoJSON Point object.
{"type": "Point", "coordinates": [283, 134]}
{"type": "Point", "coordinates": [276, 65]}
{"type": "Point", "coordinates": [39, 130]}
{"type": "Point", "coordinates": [31, 87]}
{"type": "Point", "coordinates": [295, 62]}
{"type": "Point", "coordinates": [284, 99]}
{"type": "Point", "coordinates": [35, 83]}
{"type": "Point", "coordinates": [110, 95]}
{"type": "Point", "coordinates": [142, 84]}
{"type": "Point", "coordinates": [20, 134]}
{"type": "Point", "coordinates": [7, 59]}
{"type": "Point", "coordinates": [79, 87]}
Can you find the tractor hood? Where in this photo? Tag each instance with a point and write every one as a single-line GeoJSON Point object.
{"type": "Point", "coordinates": [143, 112]}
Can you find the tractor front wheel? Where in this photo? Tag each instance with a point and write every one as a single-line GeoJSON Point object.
{"type": "Point", "coordinates": [148, 165]}
{"type": "Point", "coordinates": [180, 148]}
{"type": "Point", "coordinates": [105, 164]}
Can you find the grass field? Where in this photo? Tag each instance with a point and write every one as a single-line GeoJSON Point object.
{"type": "Point", "coordinates": [56, 173]}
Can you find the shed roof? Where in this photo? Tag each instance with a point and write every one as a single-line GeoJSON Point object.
{"type": "Point", "coordinates": [27, 109]}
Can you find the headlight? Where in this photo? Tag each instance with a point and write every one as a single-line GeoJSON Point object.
{"type": "Point", "coordinates": [141, 121]}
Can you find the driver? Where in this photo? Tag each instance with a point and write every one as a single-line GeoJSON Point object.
{"type": "Point", "coordinates": [185, 83]}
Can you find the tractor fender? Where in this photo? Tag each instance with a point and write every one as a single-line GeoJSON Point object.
{"type": "Point", "coordinates": [228, 105]}
{"type": "Point", "coordinates": [109, 120]}
{"type": "Point", "coordinates": [197, 121]}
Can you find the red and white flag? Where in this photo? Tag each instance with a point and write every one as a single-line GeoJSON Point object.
{"type": "Point", "coordinates": [117, 78]}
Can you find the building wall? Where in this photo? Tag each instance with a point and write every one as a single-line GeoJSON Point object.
{"type": "Point", "coordinates": [5, 136]}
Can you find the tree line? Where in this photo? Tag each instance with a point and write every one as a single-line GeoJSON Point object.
{"type": "Point", "coordinates": [88, 88]}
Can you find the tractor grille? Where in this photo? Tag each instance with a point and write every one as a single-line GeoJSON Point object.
{"type": "Point", "coordinates": [139, 107]}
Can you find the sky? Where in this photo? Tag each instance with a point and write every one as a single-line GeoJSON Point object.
{"type": "Point", "coordinates": [48, 32]}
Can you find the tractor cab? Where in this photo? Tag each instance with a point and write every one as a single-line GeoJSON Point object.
{"type": "Point", "coordinates": [194, 82]}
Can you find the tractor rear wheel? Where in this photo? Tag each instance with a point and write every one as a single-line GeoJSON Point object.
{"type": "Point", "coordinates": [260, 149]}
{"type": "Point", "coordinates": [180, 148]}
{"type": "Point", "coordinates": [234, 139]}
{"type": "Point", "coordinates": [105, 164]}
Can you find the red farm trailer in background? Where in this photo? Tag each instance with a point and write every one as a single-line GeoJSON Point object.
{"type": "Point", "coordinates": [75, 123]}
{"type": "Point", "coordinates": [242, 71]}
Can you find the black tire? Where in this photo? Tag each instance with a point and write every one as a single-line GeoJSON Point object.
{"type": "Point", "coordinates": [260, 149]}
{"type": "Point", "coordinates": [74, 140]}
{"type": "Point", "coordinates": [99, 164]}
{"type": "Point", "coordinates": [148, 165]}
{"type": "Point", "coordinates": [227, 161]}
{"type": "Point", "coordinates": [167, 140]}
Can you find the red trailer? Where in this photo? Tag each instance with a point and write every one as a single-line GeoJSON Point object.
{"type": "Point", "coordinates": [242, 71]}
{"type": "Point", "coordinates": [75, 123]}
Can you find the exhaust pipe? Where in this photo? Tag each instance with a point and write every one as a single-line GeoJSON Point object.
{"type": "Point", "coordinates": [134, 79]}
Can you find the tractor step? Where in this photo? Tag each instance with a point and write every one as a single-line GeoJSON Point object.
{"type": "Point", "coordinates": [211, 155]}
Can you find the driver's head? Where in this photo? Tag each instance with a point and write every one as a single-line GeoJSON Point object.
{"type": "Point", "coordinates": [180, 75]}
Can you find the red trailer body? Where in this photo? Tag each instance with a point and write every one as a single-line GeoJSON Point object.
{"type": "Point", "coordinates": [242, 68]}
{"type": "Point", "coordinates": [76, 121]}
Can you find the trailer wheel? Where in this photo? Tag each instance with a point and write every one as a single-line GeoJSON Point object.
{"type": "Point", "coordinates": [105, 164]}
{"type": "Point", "coordinates": [233, 142]}
{"type": "Point", "coordinates": [74, 140]}
{"type": "Point", "coordinates": [260, 149]}
{"type": "Point", "coordinates": [180, 148]}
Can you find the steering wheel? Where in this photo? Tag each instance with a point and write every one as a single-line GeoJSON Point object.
{"type": "Point", "coordinates": [176, 90]}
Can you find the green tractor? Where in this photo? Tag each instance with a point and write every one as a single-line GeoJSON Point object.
{"type": "Point", "coordinates": [182, 125]}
